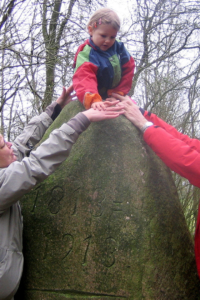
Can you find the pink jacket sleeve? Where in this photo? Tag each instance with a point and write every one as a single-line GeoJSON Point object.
{"type": "Point", "coordinates": [194, 143]}
{"type": "Point", "coordinates": [179, 152]}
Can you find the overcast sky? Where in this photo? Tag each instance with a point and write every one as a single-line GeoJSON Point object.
{"type": "Point", "coordinates": [119, 6]}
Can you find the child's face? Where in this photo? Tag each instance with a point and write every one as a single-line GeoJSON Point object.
{"type": "Point", "coordinates": [103, 36]}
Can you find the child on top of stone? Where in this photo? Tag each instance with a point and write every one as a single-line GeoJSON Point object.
{"type": "Point", "coordinates": [102, 64]}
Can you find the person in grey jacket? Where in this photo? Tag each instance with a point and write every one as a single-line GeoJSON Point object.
{"type": "Point", "coordinates": [21, 169]}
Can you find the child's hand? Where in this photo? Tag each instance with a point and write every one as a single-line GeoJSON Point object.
{"type": "Point", "coordinates": [111, 99]}
{"type": "Point", "coordinates": [98, 105]}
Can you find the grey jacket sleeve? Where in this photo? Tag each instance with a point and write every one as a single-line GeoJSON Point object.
{"type": "Point", "coordinates": [34, 131]}
{"type": "Point", "coordinates": [20, 177]}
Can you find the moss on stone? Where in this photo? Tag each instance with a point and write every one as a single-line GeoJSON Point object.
{"type": "Point", "coordinates": [108, 223]}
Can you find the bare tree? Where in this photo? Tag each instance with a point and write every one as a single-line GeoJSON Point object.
{"type": "Point", "coordinates": [165, 44]}
{"type": "Point", "coordinates": [6, 9]}
{"type": "Point", "coordinates": [52, 29]}
{"type": "Point", "coordinates": [38, 40]}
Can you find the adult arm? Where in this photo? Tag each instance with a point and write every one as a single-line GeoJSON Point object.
{"type": "Point", "coordinates": [19, 177]}
{"type": "Point", "coordinates": [194, 143]}
{"type": "Point", "coordinates": [175, 153]}
{"type": "Point", "coordinates": [37, 126]}
{"type": "Point", "coordinates": [178, 155]}
{"type": "Point", "coordinates": [178, 152]}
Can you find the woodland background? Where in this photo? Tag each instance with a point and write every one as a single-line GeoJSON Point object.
{"type": "Point", "coordinates": [38, 40]}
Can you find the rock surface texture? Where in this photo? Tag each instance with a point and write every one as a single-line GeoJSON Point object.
{"type": "Point", "coordinates": [108, 224]}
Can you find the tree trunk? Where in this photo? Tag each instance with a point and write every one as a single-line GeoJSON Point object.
{"type": "Point", "coordinates": [108, 223]}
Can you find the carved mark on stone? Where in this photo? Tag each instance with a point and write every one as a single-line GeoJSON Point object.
{"type": "Point", "coordinates": [46, 245]}
{"type": "Point", "coordinates": [80, 294]}
{"type": "Point", "coordinates": [37, 190]}
{"type": "Point", "coordinates": [68, 241]}
{"type": "Point", "coordinates": [87, 240]}
{"type": "Point", "coordinates": [117, 206]}
{"type": "Point", "coordinates": [75, 200]}
{"type": "Point", "coordinates": [57, 194]}
{"type": "Point", "coordinates": [108, 259]}
{"type": "Point", "coordinates": [97, 197]}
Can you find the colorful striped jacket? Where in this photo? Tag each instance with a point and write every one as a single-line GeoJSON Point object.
{"type": "Point", "coordinates": [102, 72]}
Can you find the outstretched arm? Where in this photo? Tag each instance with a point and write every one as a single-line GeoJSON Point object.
{"type": "Point", "coordinates": [110, 112]}
{"type": "Point", "coordinates": [194, 143]}
{"type": "Point", "coordinates": [66, 96]}
{"type": "Point", "coordinates": [178, 155]}
{"type": "Point", "coordinates": [35, 129]}
{"type": "Point", "coordinates": [19, 177]}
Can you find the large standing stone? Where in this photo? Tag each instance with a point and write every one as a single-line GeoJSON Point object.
{"type": "Point", "coordinates": [108, 224]}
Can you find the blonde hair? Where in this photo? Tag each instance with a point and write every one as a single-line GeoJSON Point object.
{"type": "Point", "coordinates": [104, 16]}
